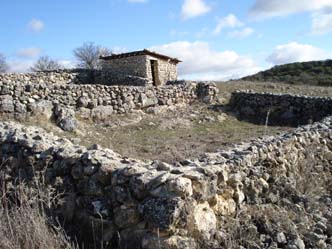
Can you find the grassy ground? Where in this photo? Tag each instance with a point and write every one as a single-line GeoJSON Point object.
{"type": "Point", "coordinates": [226, 88]}
{"type": "Point", "coordinates": [170, 136]}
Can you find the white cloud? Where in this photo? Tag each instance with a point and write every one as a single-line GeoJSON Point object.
{"type": "Point", "coordinates": [137, 1]}
{"type": "Point", "coordinates": [119, 50]}
{"type": "Point", "coordinates": [295, 52]}
{"type": "Point", "coordinates": [194, 8]}
{"type": "Point", "coordinates": [230, 21]}
{"type": "Point", "coordinates": [28, 52]}
{"type": "Point", "coordinates": [242, 33]}
{"type": "Point", "coordinates": [36, 25]}
{"type": "Point", "coordinates": [321, 23]}
{"type": "Point", "coordinates": [200, 61]}
{"type": "Point", "coordinates": [20, 66]}
{"type": "Point", "coordinates": [273, 8]}
{"type": "Point", "coordinates": [67, 63]}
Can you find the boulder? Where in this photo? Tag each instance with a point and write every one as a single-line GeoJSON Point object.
{"type": "Point", "coordinates": [65, 118]}
{"type": "Point", "coordinates": [102, 113]}
{"type": "Point", "coordinates": [180, 186]}
{"type": "Point", "coordinates": [148, 101]}
{"type": "Point", "coordinates": [202, 222]}
{"type": "Point", "coordinates": [41, 108]}
{"type": "Point", "coordinates": [224, 205]}
{"type": "Point", "coordinates": [162, 213]}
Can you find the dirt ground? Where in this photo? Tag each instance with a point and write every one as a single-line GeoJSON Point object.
{"type": "Point", "coordinates": [175, 134]}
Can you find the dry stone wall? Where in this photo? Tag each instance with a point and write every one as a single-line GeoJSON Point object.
{"type": "Point", "coordinates": [280, 109]}
{"type": "Point", "coordinates": [52, 77]}
{"type": "Point", "coordinates": [135, 65]}
{"type": "Point", "coordinates": [153, 204]}
{"type": "Point", "coordinates": [22, 99]}
{"type": "Point", "coordinates": [77, 76]}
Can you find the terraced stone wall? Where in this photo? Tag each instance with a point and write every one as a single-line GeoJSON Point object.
{"type": "Point", "coordinates": [280, 109]}
{"type": "Point", "coordinates": [154, 204]}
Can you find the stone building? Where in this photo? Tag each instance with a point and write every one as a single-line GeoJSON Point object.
{"type": "Point", "coordinates": [156, 69]}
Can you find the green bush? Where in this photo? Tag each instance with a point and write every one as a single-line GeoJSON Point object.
{"type": "Point", "coordinates": [309, 73]}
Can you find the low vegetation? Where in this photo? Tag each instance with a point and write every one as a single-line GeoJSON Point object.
{"type": "Point", "coordinates": [172, 135]}
{"type": "Point", "coordinates": [226, 88]}
{"type": "Point", "coordinates": [309, 73]}
{"type": "Point", "coordinates": [26, 217]}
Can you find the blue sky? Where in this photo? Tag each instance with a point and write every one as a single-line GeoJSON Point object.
{"type": "Point", "coordinates": [215, 39]}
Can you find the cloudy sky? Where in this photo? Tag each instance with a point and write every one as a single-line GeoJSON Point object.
{"type": "Point", "coordinates": [215, 39]}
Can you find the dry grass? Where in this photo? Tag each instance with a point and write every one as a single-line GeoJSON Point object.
{"type": "Point", "coordinates": [26, 220]}
{"type": "Point", "coordinates": [172, 136]}
{"type": "Point", "coordinates": [226, 88]}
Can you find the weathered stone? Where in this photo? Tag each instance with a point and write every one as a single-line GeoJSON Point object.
{"type": "Point", "coordinates": [42, 108]}
{"type": "Point", "coordinates": [281, 239]}
{"type": "Point", "coordinates": [148, 101]}
{"type": "Point", "coordinates": [126, 216]}
{"type": "Point", "coordinates": [180, 186]}
{"type": "Point", "coordinates": [202, 222]}
{"type": "Point", "coordinates": [6, 103]}
{"type": "Point", "coordinates": [68, 124]}
{"type": "Point", "coordinates": [174, 242]}
{"type": "Point", "coordinates": [162, 213]}
{"type": "Point", "coordinates": [83, 102]}
{"type": "Point", "coordinates": [102, 113]}
{"type": "Point", "coordinates": [223, 205]}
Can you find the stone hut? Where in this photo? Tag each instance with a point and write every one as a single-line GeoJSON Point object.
{"type": "Point", "coordinates": [156, 69]}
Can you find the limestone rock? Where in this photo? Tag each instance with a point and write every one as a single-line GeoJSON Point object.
{"type": "Point", "coordinates": [126, 216]}
{"type": "Point", "coordinates": [202, 221]}
{"type": "Point", "coordinates": [148, 101]}
{"type": "Point", "coordinates": [180, 186]}
{"type": "Point", "coordinates": [224, 206]}
{"type": "Point", "coordinates": [6, 103]}
{"type": "Point", "coordinates": [65, 118]}
{"type": "Point", "coordinates": [42, 108]}
{"type": "Point", "coordinates": [163, 213]}
{"type": "Point", "coordinates": [101, 113]}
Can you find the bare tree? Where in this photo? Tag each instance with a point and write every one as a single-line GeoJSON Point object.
{"type": "Point", "coordinates": [45, 63]}
{"type": "Point", "coordinates": [3, 64]}
{"type": "Point", "coordinates": [88, 55]}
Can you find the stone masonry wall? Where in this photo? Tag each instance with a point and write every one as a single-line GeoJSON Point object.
{"type": "Point", "coordinates": [77, 76]}
{"type": "Point", "coordinates": [21, 99]}
{"type": "Point", "coordinates": [167, 71]}
{"type": "Point", "coordinates": [154, 204]}
{"type": "Point", "coordinates": [280, 109]}
{"type": "Point", "coordinates": [140, 66]}
{"type": "Point", "coordinates": [133, 66]}
{"type": "Point", "coordinates": [59, 77]}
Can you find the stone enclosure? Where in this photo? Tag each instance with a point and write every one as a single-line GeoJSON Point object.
{"type": "Point", "coordinates": [280, 109]}
{"type": "Point", "coordinates": [152, 204]}
{"type": "Point", "coordinates": [29, 94]}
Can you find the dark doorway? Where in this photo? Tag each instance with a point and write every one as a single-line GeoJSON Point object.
{"type": "Point", "coordinates": [154, 72]}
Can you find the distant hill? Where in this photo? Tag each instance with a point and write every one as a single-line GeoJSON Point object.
{"type": "Point", "coordinates": [310, 73]}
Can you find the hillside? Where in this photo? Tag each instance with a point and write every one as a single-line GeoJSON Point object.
{"type": "Point", "coordinates": [309, 73]}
